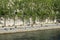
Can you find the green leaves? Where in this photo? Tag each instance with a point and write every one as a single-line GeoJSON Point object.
{"type": "Point", "coordinates": [41, 9]}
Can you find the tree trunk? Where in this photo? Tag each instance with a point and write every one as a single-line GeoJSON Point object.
{"type": "Point", "coordinates": [23, 22]}
{"type": "Point", "coordinates": [14, 21]}
{"type": "Point", "coordinates": [29, 23]}
{"type": "Point", "coordinates": [42, 24]}
{"type": "Point", "coordinates": [33, 23]}
{"type": "Point", "coordinates": [4, 22]}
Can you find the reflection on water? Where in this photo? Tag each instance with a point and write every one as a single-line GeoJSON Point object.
{"type": "Point", "coordinates": [36, 35]}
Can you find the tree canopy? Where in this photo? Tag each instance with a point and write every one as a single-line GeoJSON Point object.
{"type": "Point", "coordinates": [35, 9]}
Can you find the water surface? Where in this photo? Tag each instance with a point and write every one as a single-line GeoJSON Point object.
{"type": "Point", "coordinates": [34, 35]}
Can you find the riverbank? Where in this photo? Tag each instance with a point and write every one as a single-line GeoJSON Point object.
{"type": "Point", "coordinates": [26, 29]}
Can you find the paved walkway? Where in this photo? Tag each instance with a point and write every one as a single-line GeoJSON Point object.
{"type": "Point", "coordinates": [28, 28]}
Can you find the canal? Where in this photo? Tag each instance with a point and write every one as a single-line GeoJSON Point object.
{"type": "Point", "coordinates": [53, 34]}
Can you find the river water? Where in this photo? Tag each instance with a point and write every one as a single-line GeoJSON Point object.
{"type": "Point", "coordinates": [34, 35]}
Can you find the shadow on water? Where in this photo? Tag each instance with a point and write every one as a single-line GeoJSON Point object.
{"type": "Point", "coordinates": [35, 35]}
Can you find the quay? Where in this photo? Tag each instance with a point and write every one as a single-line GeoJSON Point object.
{"type": "Point", "coordinates": [27, 28]}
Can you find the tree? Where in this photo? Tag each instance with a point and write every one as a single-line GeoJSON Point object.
{"type": "Point", "coordinates": [56, 8]}
{"type": "Point", "coordinates": [4, 10]}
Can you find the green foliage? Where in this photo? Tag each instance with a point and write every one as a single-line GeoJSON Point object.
{"type": "Point", "coordinates": [25, 9]}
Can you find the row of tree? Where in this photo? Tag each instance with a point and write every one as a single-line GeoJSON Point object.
{"type": "Point", "coordinates": [26, 9]}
